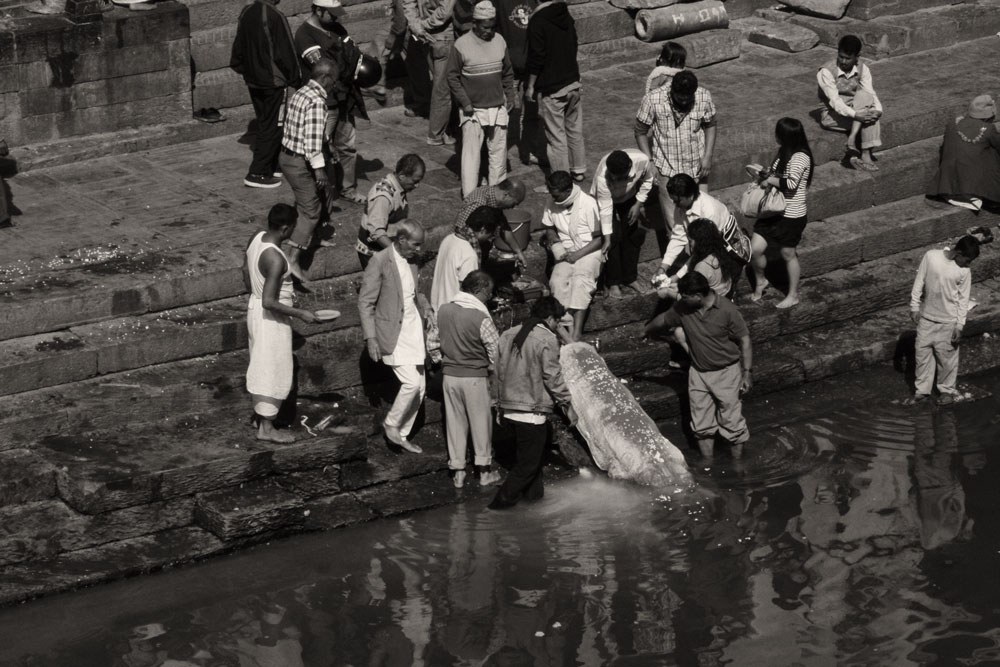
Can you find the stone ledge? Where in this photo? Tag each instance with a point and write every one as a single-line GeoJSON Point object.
{"type": "Point", "coordinates": [250, 509]}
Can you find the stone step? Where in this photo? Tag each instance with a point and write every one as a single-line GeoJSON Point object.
{"type": "Point", "coordinates": [129, 343]}
{"type": "Point", "coordinates": [911, 32]}
{"type": "Point", "coordinates": [130, 290]}
{"type": "Point", "coordinates": [781, 35]}
{"type": "Point", "coordinates": [870, 9]}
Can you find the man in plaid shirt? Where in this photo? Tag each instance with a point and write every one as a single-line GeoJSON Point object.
{"type": "Point", "coordinates": [504, 195]}
{"type": "Point", "coordinates": [301, 159]}
{"type": "Point", "coordinates": [683, 124]}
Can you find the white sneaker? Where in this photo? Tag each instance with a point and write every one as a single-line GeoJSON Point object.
{"type": "Point", "coordinates": [489, 477]}
{"type": "Point", "coordinates": [459, 479]}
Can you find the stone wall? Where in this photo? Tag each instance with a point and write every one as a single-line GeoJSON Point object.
{"type": "Point", "coordinates": [113, 70]}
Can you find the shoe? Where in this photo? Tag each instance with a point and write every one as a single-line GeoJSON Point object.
{"type": "Point", "coordinates": [409, 446]}
{"type": "Point", "coordinates": [208, 115]}
{"type": "Point", "coordinates": [392, 434]}
{"type": "Point", "coordinates": [489, 477]}
{"type": "Point", "coordinates": [443, 140]}
{"type": "Point", "coordinates": [458, 479]}
{"type": "Point", "coordinates": [410, 113]}
{"type": "Point", "coordinates": [577, 176]}
{"type": "Point", "coordinates": [861, 165]}
{"type": "Point", "coordinates": [261, 181]}
{"type": "Point", "coordinates": [916, 399]}
{"type": "Point", "coordinates": [946, 399]}
{"type": "Point", "coordinates": [278, 175]}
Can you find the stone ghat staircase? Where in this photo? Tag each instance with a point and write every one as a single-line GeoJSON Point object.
{"type": "Point", "coordinates": [124, 442]}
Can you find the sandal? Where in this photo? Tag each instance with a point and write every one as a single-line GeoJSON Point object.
{"type": "Point", "coordinates": [354, 197]}
{"type": "Point", "coordinates": [861, 165]}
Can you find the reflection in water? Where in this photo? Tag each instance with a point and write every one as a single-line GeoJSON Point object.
{"type": "Point", "coordinates": [862, 538]}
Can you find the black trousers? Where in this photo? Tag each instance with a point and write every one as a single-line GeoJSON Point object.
{"type": "Point", "coordinates": [267, 104]}
{"type": "Point", "coordinates": [525, 478]}
{"type": "Point", "coordinates": [626, 243]}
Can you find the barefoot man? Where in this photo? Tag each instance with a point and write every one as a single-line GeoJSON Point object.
{"type": "Point", "coordinates": [268, 278]}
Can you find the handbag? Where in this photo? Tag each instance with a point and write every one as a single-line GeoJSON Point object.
{"type": "Point", "coordinates": [758, 202]}
{"type": "Point", "coordinates": [737, 241]}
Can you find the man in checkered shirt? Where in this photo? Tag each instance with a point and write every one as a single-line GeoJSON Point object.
{"type": "Point", "coordinates": [301, 158]}
{"type": "Point", "coordinates": [683, 122]}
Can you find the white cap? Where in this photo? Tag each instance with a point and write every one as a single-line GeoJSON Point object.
{"type": "Point", "coordinates": [328, 4]}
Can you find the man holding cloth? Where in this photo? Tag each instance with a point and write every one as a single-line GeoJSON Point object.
{"type": "Point", "coordinates": [469, 350]}
{"type": "Point", "coordinates": [392, 314]}
{"type": "Point", "coordinates": [481, 79]}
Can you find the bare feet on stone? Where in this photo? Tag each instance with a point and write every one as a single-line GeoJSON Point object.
{"type": "Point", "coordinates": [614, 292]}
{"type": "Point", "coordinates": [267, 433]}
{"type": "Point", "coordinates": [788, 302]}
{"type": "Point", "coordinates": [409, 446]}
{"type": "Point", "coordinates": [758, 292]}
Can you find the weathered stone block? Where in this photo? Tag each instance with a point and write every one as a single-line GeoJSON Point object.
{"type": "Point", "coordinates": [674, 21]}
{"type": "Point", "coordinates": [92, 120]}
{"type": "Point", "coordinates": [221, 88]}
{"type": "Point", "coordinates": [833, 9]}
{"type": "Point", "coordinates": [711, 46]}
{"type": "Point", "coordinates": [320, 452]}
{"type": "Point", "coordinates": [249, 510]}
{"type": "Point", "coordinates": [313, 483]}
{"type": "Point", "coordinates": [108, 561]}
{"type": "Point", "coordinates": [25, 477]}
{"type": "Point", "coordinates": [408, 495]}
{"type": "Point", "coordinates": [211, 49]}
{"type": "Point", "coordinates": [123, 62]}
{"type": "Point", "coordinates": [741, 8]}
{"type": "Point", "coordinates": [8, 80]}
{"type": "Point", "coordinates": [784, 36]}
{"type": "Point", "coordinates": [598, 21]}
{"type": "Point", "coordinates": [43, 361]}
{"type": "Point", "coordinates": [870, 9]}
{"type": "Point", "coordinates": [167, 21]}
{"type": "Point", "coordinates": [103, 92]}
{"type": "Point", "coordinates": [56, 37]}
{"type": "Point", "coordinates": [336, 511]}
{"type": "Point", "coordinates": [43, 529]}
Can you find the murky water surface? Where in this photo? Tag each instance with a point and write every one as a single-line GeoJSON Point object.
{"type": "Point", "coordinates": [864, 537]}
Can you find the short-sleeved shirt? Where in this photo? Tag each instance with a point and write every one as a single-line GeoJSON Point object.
{"type": "Point", "coordinates": [713, 335]}
{"type": "Point", "coordinates": [677, 147]}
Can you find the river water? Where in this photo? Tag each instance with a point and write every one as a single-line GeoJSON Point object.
{"type": "Point", "coordinates": [866, 536]}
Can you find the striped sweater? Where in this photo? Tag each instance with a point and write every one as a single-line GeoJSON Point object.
{"type": "Point", "coordinates": [794, 184]}
{"type": "Point", "coordinates": [479, 73]}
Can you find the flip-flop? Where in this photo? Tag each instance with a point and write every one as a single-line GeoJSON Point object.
{"type": "Point", "coordinates": [861, 165]}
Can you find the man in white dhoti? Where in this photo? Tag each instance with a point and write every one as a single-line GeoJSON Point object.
{"type": "Point", "coordinates": [392, 314]}
{"type": "Point", "coordinates": [268, 279]}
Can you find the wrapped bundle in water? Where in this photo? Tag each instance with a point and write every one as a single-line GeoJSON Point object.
{"type": "Point", "coordinates": [623, 440]}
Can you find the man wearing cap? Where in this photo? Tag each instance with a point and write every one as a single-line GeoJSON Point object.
{"type": "Point", "coordinates": [481, 79]}
{"type": "Point", "coordinates": [323, 36]}
{"type": "Point", "coordinates": [264, 55]}
{"type": "Point", "coordinates": [301, 158]}
{"type": "Point", "coordinates": [969, 172]}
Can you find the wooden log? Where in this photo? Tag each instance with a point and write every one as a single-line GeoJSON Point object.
{"type": "Point", "coordinates": [669, 22]}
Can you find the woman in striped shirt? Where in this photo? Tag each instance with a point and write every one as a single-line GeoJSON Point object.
{"type": "Point", "coordinates": [791, 172]}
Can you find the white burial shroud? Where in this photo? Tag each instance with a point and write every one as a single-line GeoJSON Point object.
{"type": "Point", "coordinates": [623, 439]}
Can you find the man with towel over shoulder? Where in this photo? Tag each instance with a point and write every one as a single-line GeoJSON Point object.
{"type": "Point", "coordinates": [268, 278]}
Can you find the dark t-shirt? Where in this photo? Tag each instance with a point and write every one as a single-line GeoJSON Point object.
{"type": "Point", "coordinates": [312, 43]}
{"type": "Point", "coordinates": [713, 336]}
{"type": "Point", "coordinates": [512, 24]}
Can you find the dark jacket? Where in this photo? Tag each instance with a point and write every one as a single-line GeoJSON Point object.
{"type": "Point", "coordinates": [313, 43]}
{"type": "Point", "coordinates": [263, 51]}
{"type": "Point", "coordinates": [531, 380]}
{"type": "Point", "coordinates": [552, 48]}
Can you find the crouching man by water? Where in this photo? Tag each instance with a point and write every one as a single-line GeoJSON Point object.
{"type": "Point", "coordinates": [531, 382]}
{"type": "Point", "coordinates": [718, 341]}
{"type": "Point", "coordinates": [268, 278]}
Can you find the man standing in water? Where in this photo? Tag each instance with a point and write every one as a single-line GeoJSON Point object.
{"type": "Point", "coordinates": [718, 341]}
{"type": "Point", "coordinates": [939, 303]}
{"type": "Point", "coordinates": [268, 278]}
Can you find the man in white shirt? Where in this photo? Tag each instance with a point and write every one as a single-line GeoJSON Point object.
{"type": "Point", "coordinates": [850, 102]}
{"type": "Point", "coordinates": [458, 254]}
{"type": "Point", "coordinates": [572, 225]}
{"type": "Point", "coordinates": [690, 204]}
{"type": "Point", "coordinates": [622, 184]}
{"type": "Point", "coordinates": [939, 303]}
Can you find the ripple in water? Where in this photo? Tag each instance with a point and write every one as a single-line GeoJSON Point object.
{"type": "Point", "coordinates": [864, 537]}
